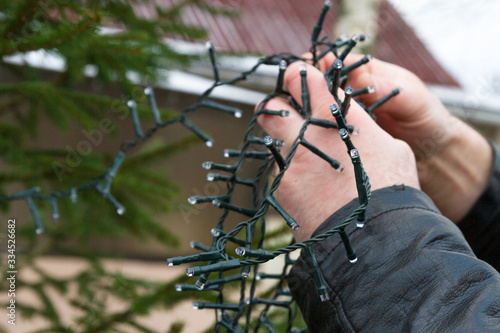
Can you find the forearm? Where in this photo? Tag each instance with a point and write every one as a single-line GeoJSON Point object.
{"type": "Point", "coordinates": [456, 173]}
{"type": "Point", "coordinates": [415, 273]}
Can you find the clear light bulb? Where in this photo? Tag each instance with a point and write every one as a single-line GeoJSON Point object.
{"type": "Point", "coordinates": [199, 285]}
{"type": "Point", "coordinates": [240, 251]}
{"type": "Point", "coordinates": [283, 64]}
{"type": "Point", "coordinates": [207, 165]}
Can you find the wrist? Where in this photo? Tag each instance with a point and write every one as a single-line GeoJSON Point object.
{"type": "Point", "coordinates": [456, 172]}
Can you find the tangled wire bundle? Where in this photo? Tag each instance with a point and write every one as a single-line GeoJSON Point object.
{"type": "Point", "coordinates": [249, 235]}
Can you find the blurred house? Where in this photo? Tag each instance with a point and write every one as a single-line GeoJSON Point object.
{"type": "Point", "coordinates": [263, 27]}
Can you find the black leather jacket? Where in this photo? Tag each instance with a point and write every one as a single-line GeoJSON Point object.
{"type": "Point", "coordinates": [415, 273]}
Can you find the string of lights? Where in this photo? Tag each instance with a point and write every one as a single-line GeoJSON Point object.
{"type": "Point", "coordinates": [250, 252]}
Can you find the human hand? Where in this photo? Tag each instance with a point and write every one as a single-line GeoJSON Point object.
{"type": "Point", "coordinates": [453, 160]}
{"type": "Point", "coordinates": [311, 190]}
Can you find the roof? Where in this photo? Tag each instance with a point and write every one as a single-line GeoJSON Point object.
{"type": "Point", "coordinates": [273, 26]}
{"type": "Point", "coordinates": [260, 26]}
{"type": "Point", "coordinates": [397, 43]}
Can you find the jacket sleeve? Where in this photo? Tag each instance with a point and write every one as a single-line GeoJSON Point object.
{"type": "Point", "coordinates": [415, 273]}
{"type": "Point", "coordinates": [481, 226]}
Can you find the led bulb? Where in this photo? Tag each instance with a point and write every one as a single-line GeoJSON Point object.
{"type": "Point", "coordinates": [120, 210]}
{"type": "Point", "coordinates": [170, 262]}
{"type": "Point", "coordinates": [324, 297]}
{"type": "Point", "coordinates": [303, 68]}
{"type": "Point", "coordinates": [192, 244]}
{"type": "Point", "coordinates": [368, 56]}
{"type": "Point", "coordinates": [335, 110]}
{"type": "Point", "coordinates": [353, 261]}
{"type": "Point", "coordinates": [226, 153]}
{"type": "Point", "coordinates": [240, 251]}
{"type": "Point", "coordinates": [131, 103]}
{"type": "Point", "coordinates": [209, 143]}
{"type": "Point", "coordinates": [283, 64]}
{"type": "Point", "coordinates": [337, 64]}
{"type": "Point", "coordinates": [360, 224]}
{"type": "Point", "coordinates": [195, 306]}
{"type": "Point", "coordinates": [355, 130]}
{"type": "Point", "coordinates": [268, 140]}
{"type": "Point", "coordinates": [178, 287]}
{"type": "Point", "coordinates": [285, 113]}
{"type": "Point", "coordinates": [344, 134]}
{"type": "Point", "coordinates": [294, 226]}
{"type": "Point", "coordinates": [238, 114]}
{"type": "Point", "coordinates": [39, 231]}
{"type": "Point", "coordinates": [148, 90]}
{"type": "Point", "coordinates": [73, 197]}
{"type": "Point", "coordinates": [354, 153]}
{"type": "Point", "coordinates": [216, 203]}
{"type": "Point", "coordinates": [371, 89]}
{"type": "Point", "coordinates": [199, 285]}
{"type": "Point", "coordinates": [349, 90]}
{"type": "Point", "coordinates": [245, 274]}
{"type": "Point", "coordinates": [258, 277]}
{"type": "Point", "coordinates": [211, 177]}
{"type": "Point", "coordinates": [189, 271]}
{"type": "Point", "coordinates": [247, 301]}
{"type": "Point", "coordinates": [328, 3]}
{"type": "Point", "coordinates": [279, 143]}
{"type": "Point", "coordinates": [207, 165]}
{"type": "Point", "coordinates": [209, 45]}
{"type": "Point", "coordinates": [193, 200]}
{"type": "Point", "coordinates": [215, 232]}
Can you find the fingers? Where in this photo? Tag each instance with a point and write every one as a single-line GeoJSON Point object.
{"type": "Point", "coordinates": [383, 76]}
{"type": "Point", "coordinates": [319, 95]}
{"type": "Point", "coordinates": [284, 128]}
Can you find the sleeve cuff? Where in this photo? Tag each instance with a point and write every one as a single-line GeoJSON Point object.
{"type": "Point", "coordinates": [481, 225]}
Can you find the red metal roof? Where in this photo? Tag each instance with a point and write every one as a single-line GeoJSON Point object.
{"type": "Point", "coordinates": [262, 26]}
{"type": "Point", "coordinates": [273, 26]}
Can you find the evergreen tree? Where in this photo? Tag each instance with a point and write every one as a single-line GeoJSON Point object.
{"type": "Point", "coordinates": [75, 33]}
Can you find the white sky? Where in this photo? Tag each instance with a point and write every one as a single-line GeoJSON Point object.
{"type": "Point", "coordinates": [463, 35]}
